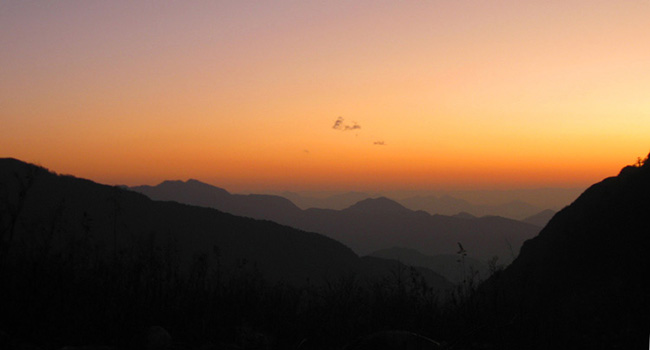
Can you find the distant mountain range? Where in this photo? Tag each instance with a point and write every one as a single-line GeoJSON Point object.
{"type": "Point", "coordinates": [515, 204]}
{"type": "Point", "coordinates": [367, 226]}
{"type": "Point", "coordinates": [447, 205]}
{"type": "Point", "coordinates": [194, 192]}
{"type": "Point", "coordinates": [43, 214]}
{"type": "Point", "coordinates": [336, 202]}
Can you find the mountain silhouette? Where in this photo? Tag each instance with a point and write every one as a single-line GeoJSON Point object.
{"type": "Point", "coordinates": [44, 212]}
{"type": "Point", "coordinates": [194, 192]}
{"type": "Point", "coordinates": [368, 231]}
{"type": "Point", "coordinates": [448, 205]}
{"type": "Point", "coordinates": [118, 218]}
{"type": "Point", "coordinates": [377, 206]}
{"type": "Point", "coordinates": [85, 263]}
{"type": "Point", "coordinates": [336, 202]}
{"type": "Point", "coordinates": [374, 224]}
{"type": "Point", "coordinates": [583, 280]}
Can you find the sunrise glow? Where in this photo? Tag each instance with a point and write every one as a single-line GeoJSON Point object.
{"type": "Point", "coordinates": [245, 95]}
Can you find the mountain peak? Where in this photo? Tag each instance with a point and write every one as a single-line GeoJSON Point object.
{"type": "Point", "coordinates": [381, 204]}
{"type": "Point", "coordinates": [191, 184]}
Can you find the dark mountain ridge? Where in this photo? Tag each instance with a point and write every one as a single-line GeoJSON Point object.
{"type": "Point", "coordinates": [372, 224]}
{"type": "Point", "coordinates": [42, 213]}
{"type": "Point", "coordinates": [195, 192]}
{"type": "Point", "coordinates": [84, 263]}
{"type": "Point", "coordinates": [582, 280]}
{"type": "Point", "coordinates": [368, 231]}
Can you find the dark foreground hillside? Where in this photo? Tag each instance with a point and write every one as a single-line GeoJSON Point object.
{"type": "Point", "coordinates": [44, 214]}
{"type": "Point", "coordinates": [583, 282]}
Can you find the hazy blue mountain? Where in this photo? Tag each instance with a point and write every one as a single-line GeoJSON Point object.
{"type": "Point", "coordinates": [583, 280]}
{"type": "Point", "coordinates": [451, 266]}
{"type": "Point", "coordinates": [540, 219]}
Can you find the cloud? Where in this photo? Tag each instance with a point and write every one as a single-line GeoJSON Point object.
{"type": "Point", "coordinates": [379, 143]}
{"type": "Point", "coordinates": [352, 127]}
{"type": "Point", "coordinates": [339, 124]}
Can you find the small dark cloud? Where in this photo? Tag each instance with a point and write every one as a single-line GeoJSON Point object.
{"type": "Point", "coordinates": [379, 143]}
{"type": "Point", "coordinates": [352, 127]}
{"type": "Point", "coordinates": [339, 124]}
{"type": "Point", "coordinates": [306, 151]}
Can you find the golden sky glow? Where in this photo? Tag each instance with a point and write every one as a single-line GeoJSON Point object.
{"type": "Point", "coordinates": [244, 94]}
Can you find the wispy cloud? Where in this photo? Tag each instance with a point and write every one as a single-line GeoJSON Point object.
{"type": "Point", "coordinates": [340, 124]}
{"type": "Point", "coordinates": [379, 143]}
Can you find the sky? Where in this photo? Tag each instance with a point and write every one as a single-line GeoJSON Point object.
{"type": "Point", "coordinates": [327, 95]}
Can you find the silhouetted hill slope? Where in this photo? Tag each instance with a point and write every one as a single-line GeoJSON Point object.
{"type": "Point", "coordinates": [52, 211]}
{"type": "Point", "coordinates": [450, 266]}
{"type": "Point", "coordinates": [540, 219]}
{"type": "Point", "coordinates": [583, 279]}
{"type": "Point", "coordinates": [374, 224]}
{"type": "Point", "coordinates": [194, 192]}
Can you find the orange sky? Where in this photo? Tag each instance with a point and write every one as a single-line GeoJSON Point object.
{"type": "Point", "coordinates": [244, 94]}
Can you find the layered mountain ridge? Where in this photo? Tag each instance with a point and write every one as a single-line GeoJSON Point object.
{"type": "Point", "coordinates": [42, 213]}
{"type": "Point", "coordinates": [370, 224]}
